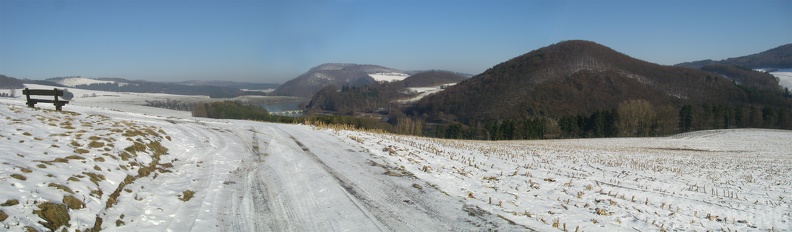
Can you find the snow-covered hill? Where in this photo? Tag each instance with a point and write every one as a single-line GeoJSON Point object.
{"type": "Point", "coordinates": [103, 164]}
{"type": "Point", "coordinates": [75, 81]}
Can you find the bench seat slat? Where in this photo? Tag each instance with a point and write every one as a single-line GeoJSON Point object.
{"type": "Point", "coordinates": [48, 101]}
{"type": "Point", "coordinates": [43, 92]}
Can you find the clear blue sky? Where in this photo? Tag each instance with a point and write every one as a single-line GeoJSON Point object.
{"type": "Point", "coordinates": [273, 41]}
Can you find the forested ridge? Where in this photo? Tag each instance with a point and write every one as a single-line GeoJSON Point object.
{"type": "Point", "coordinates": [577, 89]}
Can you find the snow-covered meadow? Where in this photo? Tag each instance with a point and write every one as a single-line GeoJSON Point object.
{"type": "Point", "coordinates": [708, 180]}
{"type": "Point", "coordinates": [110, 163]}
{"type": "Point", "coordinates": [389, 77]}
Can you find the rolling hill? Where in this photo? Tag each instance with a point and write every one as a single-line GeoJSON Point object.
{"type": "Point", "coordinates": [580, 85]}
{"type": "Point", "coordinates": [776, 58]}
{"type": "Point", "coordinates": [574, 77]}
{"type": "Point", "coordinates": [376, 97]}
{"type": "Point", "coordinates": [307, 84]}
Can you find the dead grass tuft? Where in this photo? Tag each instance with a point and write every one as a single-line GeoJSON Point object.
{"type": "Point", "coordinates": [75, 157]}
{"type": "Point", "coordinates": [11, 202]}
{"type": "Point", "coordinates": [95, 178]}
{"type": "Point", "coordinates": [73, 202]}
{"type": "Point", "coordinates": [61, 187]}
{"type": "Point", "coordinates": [54, 215]}
{"type": "Point", "coordinates": [96, 144]}
{"type": "Point", "coordinates": [186, 195]}
{"type": "Point", "coordinates": [18, 176]}
{"type": "Point", "coordinates": [3, 216]}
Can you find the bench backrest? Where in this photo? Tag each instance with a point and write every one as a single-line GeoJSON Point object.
{"type": "Point", "coordinates": [44, 92]}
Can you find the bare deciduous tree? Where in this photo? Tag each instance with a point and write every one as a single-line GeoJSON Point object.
{"type": "Point", "coordinates": [636, 117]}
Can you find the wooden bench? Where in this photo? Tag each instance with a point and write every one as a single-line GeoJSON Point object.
{"type": "Point", "coordinates": [45, 92]}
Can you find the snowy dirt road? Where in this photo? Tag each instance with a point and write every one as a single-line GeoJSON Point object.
{"type": "Point", "coordinates": [307, 180]}
{"type": "Point", "coordinates": [239, 175]}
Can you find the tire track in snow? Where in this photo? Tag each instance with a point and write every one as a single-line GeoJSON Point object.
{"type": "Point", "coordinates": [393, 201]}
{"type": "Point", "coordinates": [286, 191]}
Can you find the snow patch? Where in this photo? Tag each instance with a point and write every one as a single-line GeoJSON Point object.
{"type": "Point", "coordinates": [423, 92]}
{"type": "Point", "coordinates": [75, 81]}
{"type": "Point", "coordinates": [389, 77]}
{"type": "Point", "coordinates": [784, 76]}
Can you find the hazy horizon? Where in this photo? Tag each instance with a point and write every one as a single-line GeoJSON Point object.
{"type": "Point", "coordinates": [274, 41]}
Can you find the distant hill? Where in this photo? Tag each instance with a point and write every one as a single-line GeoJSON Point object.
{"type": "Point", "coordinates": [231, 84]}
{"type": "Point", "coordinates": [383, 98]}
{"type": "Point", "coordinates": [7, 82]}
{"type": "Point", "coordinates": [776, 58]}
{"type": "Point", "coordinates": [577, 87]}
{"type": "Point", "coordinates": [432, 78]}
{"type": "Point", "coordinates": [124, 85]}
{"type": "Point", "coordinates": [353, 75]}
{"type": "Point", "coordinates": [745, 76]}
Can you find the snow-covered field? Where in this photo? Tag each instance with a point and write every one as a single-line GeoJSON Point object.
{"type": "Point", "coordinates": [75, 81]}
{"type": "Point", "coordinates": [784, 76]}
{"type": "Point", "coordinates": [423, 92]}
{"type": "Point", "coordinates": [114, 165]}
{"type": "Point", "coordinates": [388, 77]}
{"type": "Point", "coordinates": [708, 180]}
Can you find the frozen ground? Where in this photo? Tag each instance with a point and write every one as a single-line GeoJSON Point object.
{"type": "Point", "coordinates": [135, 168]}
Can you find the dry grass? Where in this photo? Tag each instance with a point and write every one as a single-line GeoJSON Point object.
{"type": "Point", "coordinates": [186, 195]}
{"type": "Point", "coordinates": [96, 144]}
{"type": "Point", "coordinates": [18, 176]}
{"type": "Point", "coordinates": [61, 187]}
{"type": "Point", "coordinates": [11, 202]}
{"type": "Point", "coordinates": [54, 215]}
{"type": "Point", "coordinates": [95, 178]}
{"type": "Point", "coordinates": [114, 196]}
{"type": "Point", "coordinates": [75, 157]}
{"type": "Point", "coordinates": [3, 216]}
{"type": "Point", "coordinates": [73, 202]}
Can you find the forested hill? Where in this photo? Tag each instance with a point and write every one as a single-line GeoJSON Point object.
{"type": "Point", "coordinates": [579, 88]}
{"type": "Point", "coordinates": [353, 75]}
{"type": "Point", "coordinates": [776, 58]}
{"type": "Point", "coordinates": [7, 82]}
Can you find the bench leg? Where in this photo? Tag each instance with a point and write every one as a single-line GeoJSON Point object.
{"type": "Point", "coordinates": [58, 107]}
{"type": "Point", "coordinates": [31, 105]}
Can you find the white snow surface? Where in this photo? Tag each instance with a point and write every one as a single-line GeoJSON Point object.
{"type": "Point", "coordinates": [75, 81]}
{"type": "Point", "coordinates": [784, 76]}
{"type": "Point", "coordinates": [389, 77]}
{"type": "Point", "coordinates": [422, 92]}
{"type": "Point", "coordinates": [254, 176]}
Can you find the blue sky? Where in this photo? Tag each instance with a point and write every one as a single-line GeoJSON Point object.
{"type": "Point", "coordinates": [274, 41]}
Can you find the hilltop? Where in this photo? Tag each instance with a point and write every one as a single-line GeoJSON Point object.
{"type": "Point", "coordinates": [352, 75]}
{"type": "Point", "coordinates": [383, 98]}
{"type": "Point", "coordinates": [576, 87]}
